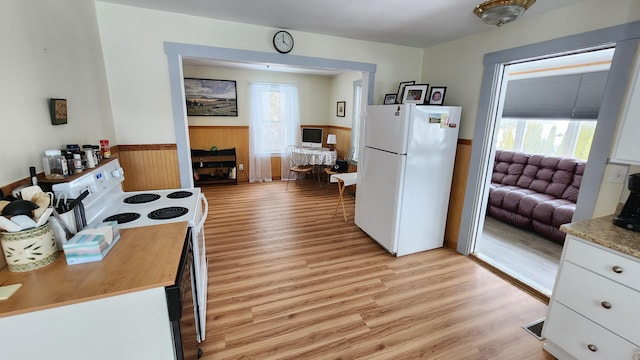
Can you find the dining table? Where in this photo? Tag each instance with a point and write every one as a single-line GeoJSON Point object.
{"type": "Point", "coordinates": [318, 156]}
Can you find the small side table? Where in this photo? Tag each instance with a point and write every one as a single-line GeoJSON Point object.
{"type": "Point", "coordinates": [343, 180]}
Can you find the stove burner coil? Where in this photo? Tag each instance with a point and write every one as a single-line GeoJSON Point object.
{"type": "Point", "coordinates": [179, 194]}
{"type": "Point", "coordinates": [166, 213]}
{"type": "Point", "coordinates": [123, 218]}
{"type": "Point", "coordinates": [141, 198]}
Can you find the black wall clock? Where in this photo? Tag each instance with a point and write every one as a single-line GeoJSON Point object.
{"type": "Point", "coordinates": [283, 41]}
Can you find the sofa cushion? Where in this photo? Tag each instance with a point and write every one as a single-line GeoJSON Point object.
{"type": "Point", "coordinates": [554, 212]}
{"type": "Point", "coordinates": [571, 192]}
{"type": "Point", "coordinates": [530, 202]}
{"type": "Point", "coordinates": [508, 166]}
{"type": "Point", "coordinates": [509, 217]}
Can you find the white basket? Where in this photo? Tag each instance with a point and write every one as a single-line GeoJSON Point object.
{"type": "Point", "coordinates": [29, 249]}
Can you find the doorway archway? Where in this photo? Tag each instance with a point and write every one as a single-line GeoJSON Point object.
{"type": "Point", "coordinates": [177, 51]}
{"type": "Point", "coordinates": [625, 39]}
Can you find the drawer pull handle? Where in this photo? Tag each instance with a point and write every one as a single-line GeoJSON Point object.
{"type": "Point", "coordinates": [606, 305]}
{"type": "Point", "coordinates": [592, 348]}
{"type": "Point", "coordinates": [617, 269]}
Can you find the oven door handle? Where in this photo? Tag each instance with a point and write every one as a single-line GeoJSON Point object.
{"type": "Point", "coordinates": [204, 213]}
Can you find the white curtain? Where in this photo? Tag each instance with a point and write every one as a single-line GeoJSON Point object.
{"type": "Point", "coordinates": [274, 124]}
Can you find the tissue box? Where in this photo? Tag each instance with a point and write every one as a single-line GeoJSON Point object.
{"type": "Point", "coordinates": [91, 244]}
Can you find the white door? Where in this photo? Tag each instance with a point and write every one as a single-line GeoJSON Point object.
{"type": "Point", "coordinates": [377, 202]}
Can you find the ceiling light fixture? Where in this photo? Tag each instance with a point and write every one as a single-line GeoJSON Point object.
{"type": "Point", "coordinates": [500, 12]}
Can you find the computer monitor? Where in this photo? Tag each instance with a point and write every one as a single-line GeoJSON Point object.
{"type": "Point", "coordinates": [312, 137]}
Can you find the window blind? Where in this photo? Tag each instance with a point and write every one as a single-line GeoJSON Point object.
{"type": "Point", "coordinates": [575, 96]}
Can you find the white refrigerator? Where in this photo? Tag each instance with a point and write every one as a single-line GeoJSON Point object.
{"type": "Point", "coordinates": [404, 175]}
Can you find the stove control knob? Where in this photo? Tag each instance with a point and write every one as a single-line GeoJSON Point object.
{"type": "Point", "coordinates": [117, 173]}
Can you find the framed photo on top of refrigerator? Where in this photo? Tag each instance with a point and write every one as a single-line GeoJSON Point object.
{"type": "Point", "coordinates": [401, 90]}
{"type": "Point", "coordinates": [415, 94]}
{"type": "Point", "coordinates": [390, 99]}
{"type": "Point", "coordinates": [436, 95]}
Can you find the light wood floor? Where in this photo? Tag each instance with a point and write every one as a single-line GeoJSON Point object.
{"type": "Point", "coordinates": [288, 280]}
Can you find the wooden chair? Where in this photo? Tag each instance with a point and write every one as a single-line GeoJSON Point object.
{"type": "Point", "coordinates": [298, 164]}
{"type": "Point", "coordinates": [348, 158]}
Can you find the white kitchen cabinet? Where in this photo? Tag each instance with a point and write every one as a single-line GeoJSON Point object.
{"type": "Point", "coordinates": [627, 147]}
{"type": "Point", "coordinates": [593, 312]}
{"type": "Point", "coordinates": [128, 326]}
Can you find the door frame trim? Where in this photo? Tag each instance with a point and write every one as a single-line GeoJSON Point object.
{"type": "Point", "coordinates": [177, 51]}
{"type": "Point", "coordinates": [625, 39]}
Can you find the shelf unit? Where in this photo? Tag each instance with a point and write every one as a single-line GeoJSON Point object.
{"type": "Point", "coordinates": [214, 167]}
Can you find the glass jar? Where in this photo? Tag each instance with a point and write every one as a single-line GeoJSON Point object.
{"type": "Point", "coordinates": [97, 154]}
{"type": "Point", "coordinates": [55, 165]}
{"type": "Point", "coordinates": [77, 163]}
{"type": "Point", "coordinates": [88, 157]}
{"type": "Point", "coordinates": [105, 149]}
{"type": "Point", "coordinates": [68, 156]}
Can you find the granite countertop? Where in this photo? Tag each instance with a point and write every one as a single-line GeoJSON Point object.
{"type": "Point", "coordinates": [144, 258]}
{"type": "Point", "coordinates": [602, 231]}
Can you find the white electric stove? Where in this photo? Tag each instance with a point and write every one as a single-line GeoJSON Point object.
{"type": "Point", "coordinates": [107, 201]}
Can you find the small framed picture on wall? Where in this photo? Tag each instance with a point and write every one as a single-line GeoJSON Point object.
{"type": "Point", "coordinates": [340, 108]}
{"type": "Point", "coordinates": [58, 111]}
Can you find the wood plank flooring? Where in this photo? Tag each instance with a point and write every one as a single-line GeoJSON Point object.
{"type": "Point", "coordinates": [289, 280]}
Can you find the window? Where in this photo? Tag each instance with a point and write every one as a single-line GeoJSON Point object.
{"type": "Point", "coordinates": [274, 124]}
{"type": "Point", "coordinates": [275, 116]}
{"type": "Point", "coordinates": [565, 138]}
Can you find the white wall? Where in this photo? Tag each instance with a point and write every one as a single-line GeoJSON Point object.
{"type": "Point", "coordinates": [342, 90]}
{"type": "Point", "coordinates": [313, 93]}
{"type": "Point", "coordinates": [132, 40]}
{"type": "Point", "coordinates": [50, 49]}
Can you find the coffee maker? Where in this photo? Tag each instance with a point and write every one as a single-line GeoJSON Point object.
{"type": "Point", "coordinates": [629, 217]}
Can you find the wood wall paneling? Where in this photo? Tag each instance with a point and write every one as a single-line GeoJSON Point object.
{"type": "Point", "coordinates": [149, 167]}
{"type": "Point", "coordinates": [456, 199]}
{"type": "Point", "coordinates": [224, 137]}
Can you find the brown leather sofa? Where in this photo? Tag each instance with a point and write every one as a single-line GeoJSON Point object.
{"type": "Point", "coordinates": [535, 192]}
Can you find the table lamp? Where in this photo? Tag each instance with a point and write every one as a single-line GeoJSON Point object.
{"type": "Point", "coordinates": [331, 140]}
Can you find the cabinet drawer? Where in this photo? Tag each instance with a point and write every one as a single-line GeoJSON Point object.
{"type": "Point", "coordinates": [575, 334]}
{"type": "Point", "coordinates": [603, 262]}
{"type": "Point", "coordinates": [590, 294]}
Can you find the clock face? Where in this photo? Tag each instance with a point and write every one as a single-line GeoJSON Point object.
{"type": "Point", "coordinates": [283, 41]}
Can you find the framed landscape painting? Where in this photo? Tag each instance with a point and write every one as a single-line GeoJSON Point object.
{"type": "Point", "coordinates": [207, 97]}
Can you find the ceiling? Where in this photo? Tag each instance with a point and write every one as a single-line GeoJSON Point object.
{"type": "Point", "coordinates": [422, 24]}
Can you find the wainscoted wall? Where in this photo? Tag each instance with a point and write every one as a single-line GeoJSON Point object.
{"type": "Point", "coordinates": [149, 167]}
{"type": "Point", "coordinates": [456, 199]}
{"type": "Point", "coordinates": [224, 137]}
